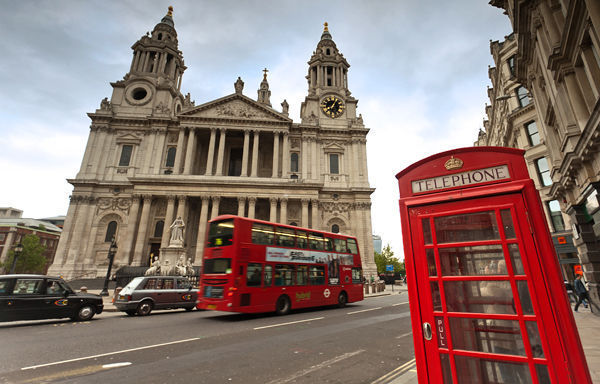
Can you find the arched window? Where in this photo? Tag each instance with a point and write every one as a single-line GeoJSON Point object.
{"type": "Point", "coordinates": [158, 228]}
{"type": "Point", "coordinates": [160, 36]}
{"type": "Point", "coordinates": [171, 157]}
{"type": "Point", "coordinates": [294, 223]}
{"type": "Point", "coordinates": [294, 162]}
{"type": "Point", "coordinates": [335, 228]}
{"type": "Point", "coordinates": [111, 231]}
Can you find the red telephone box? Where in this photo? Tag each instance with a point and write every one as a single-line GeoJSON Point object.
{"type": "Point", "coordinates": [487, 300]}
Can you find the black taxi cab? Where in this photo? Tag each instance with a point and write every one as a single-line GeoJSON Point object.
{"type": "Point", "coordinates": [37, 297]}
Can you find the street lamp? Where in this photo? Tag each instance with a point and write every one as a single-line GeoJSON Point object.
{"type": "Point", "coordinates": [17, 252]}
{"type": "Point", "coordinates": [111, 256]}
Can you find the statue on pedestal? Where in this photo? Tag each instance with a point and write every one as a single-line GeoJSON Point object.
{"type": "Point", "coordinates": [177, 233]}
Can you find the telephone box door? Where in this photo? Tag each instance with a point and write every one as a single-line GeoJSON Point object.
{"type": "Point", "coordinates": [482, 294]}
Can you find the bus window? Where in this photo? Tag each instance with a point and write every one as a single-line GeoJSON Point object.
{"type": "Point", "coordinates": [268, 275]}
{"type": "Point", "coordinates": [316, 241]}
{"type": "Point", "coordinates": [301, 240]}
{"type": "Point", "coordinates": [262, 234]}
{"type": "Point", "coordinates": [356, 275]}
{"type": "Point", "coordinates": [328, 244]}
{"type": "Point", "coordinates": [284, 237]}
{"type": "Point", "coordinates": [302, 275]}
{"type": "Point", "coordinates": [352, 248]}
{"type": "Point", "coordinates": [284, 275]}
{"type": "Point", "coordinates": [220, 233]}
{"type": "Point", "coordinates": [340, 245]}
{"type": "Point", "coordinates": [253, 274]}
{"type": "Point", "coordinates": [217, 266]}
{"type": "Point", "coordinates": [317, 275]}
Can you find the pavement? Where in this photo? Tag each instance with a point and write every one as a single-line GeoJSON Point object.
{"type": "Point", "coordinates": [588, 326]}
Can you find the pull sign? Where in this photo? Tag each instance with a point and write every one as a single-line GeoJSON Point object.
{"type": "Point", "coordinates": [441, 331]}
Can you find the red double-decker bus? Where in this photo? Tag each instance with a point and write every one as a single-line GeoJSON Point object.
{"type": "Point", "coordinates": [254, 266]}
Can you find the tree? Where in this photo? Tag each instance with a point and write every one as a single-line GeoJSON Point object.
{"type": "Point", "coordinates": [386, 257]}
{"type": "Point", "coordinates": [31, 259]}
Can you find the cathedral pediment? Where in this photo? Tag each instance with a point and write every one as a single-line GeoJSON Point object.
{"type": "Point", "coordinates": [235, 107]}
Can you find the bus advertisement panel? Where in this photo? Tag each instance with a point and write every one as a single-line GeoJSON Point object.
{"type": "Point", "coordinates": [256, 266]}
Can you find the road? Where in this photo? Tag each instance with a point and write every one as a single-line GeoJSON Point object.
{"type": "Point", "coordinates": [356, 344]}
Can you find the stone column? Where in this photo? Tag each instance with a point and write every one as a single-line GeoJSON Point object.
{"type": "Point", "coordinates": [84, 228]}
{"type": "Point", "coordinates": [355, 173]}
{"type": "Point", "coordinates": [88, 151]}
{"type": "Point", "coordinates": [316, 224]}
{"type": "Point", "coordinates": [305, 212]}
{"type": "Point", "coordinates": [149, 141]}
{"type": "Point", "coordinates": [215, 206]}
{"type": "Point", "coordinates": [254, 171]}
{"type": "Point", "coordinates": [273, 210]}
{"type": "Point", "coordinates": [577, 101]}
{"type": "Point", "coordinates": [221, 154]}
{"type": "Point", "coordinates": [160, 149]}
{"type": "Point", "coordinates": [251, 207]}
{"type": "Point", "coordinates": [593, 8]}
{"type": "Point", "coordinates": [241, 205]}
{"type": "Point", "coordinates": [169, 218]}
{"type": "Point", "coordinates": [285, 156]}
{"type": "Point", "coordinates": [211, 152]}
{"type": "Point", "coordinates": [179, 153]}
{"type": "Point", "coordinates": [142, 232]}
{"type": "Point", "coordinates": [313, 153]}
{"type": "Point", "coordinates": [364, 167]}
{"type": "Point", "coordinates": [189, 154]}
{"type": "Point", "coordinates": [124, 252]}
{"type": "Point", "coordinates": [60, 256]}
{"type": "Point", "coordinates": [304, 155]}
{"type": "Point", "coordinates": [97, 151]}
{"type": "Point", "coordinates": [591, 69]}
{"type": "Point", "coordinates": [245, 152]}
{"type": "Point", "coordinates": [283, 210]}
{"type": "Point", "coordinates": [275, 155]}
{"type": "Point", "coordinates": [8, 242]}
{"type": "Point", "coordinates": [201, 230]}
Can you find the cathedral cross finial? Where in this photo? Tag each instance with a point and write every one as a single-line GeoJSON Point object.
{"type": "Point", "coordinates": [265, 75]}
{"type": "Point", "coordinates": [326, 29]}
{"type": "Point", "coordinates": [170, 13]}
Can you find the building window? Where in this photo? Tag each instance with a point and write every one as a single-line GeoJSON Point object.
{"type": "Point", "coordinates": [556, 216]}
{"type": "Point", "coordinates": [158, 228]}
{"type": "Point", "coordinates": [171, 157]}
{"type": "Point", "coordinates": [511, 65]}
{"type": "Point", "coordinates": [125, 155]}
{"type": "Point", "coordinates": [532, 133]}
{"type": "Point", "coordinates": [111, 230]}
{"type": "Point", "coordinates": [335, 228]}
{"type": "Point", "coordinates": [2, 236]}
{"type": "Point", "coordinates": [294, 162]}
{"type": "Point", "coordinates": [543, 171]}
{"type": "Point", "coordinates": [523, 97]}
{"type": "Point", "coordinates": [334, 163]}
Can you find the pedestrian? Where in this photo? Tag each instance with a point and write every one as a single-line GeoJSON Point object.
{"type": "Point", "coordinates": [581, 292]}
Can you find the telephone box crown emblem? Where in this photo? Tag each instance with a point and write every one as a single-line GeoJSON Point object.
{"type": "Point", "coordinates": [453, 163]}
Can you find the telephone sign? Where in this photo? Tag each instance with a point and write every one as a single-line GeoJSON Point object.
{"type": "Point", "coordinates": [476, 248]}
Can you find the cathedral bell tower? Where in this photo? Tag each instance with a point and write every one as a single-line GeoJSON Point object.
{"type": "Point", "coordinates": [152, 86]}
{"type": "Point", "coordinates": [329, 102]}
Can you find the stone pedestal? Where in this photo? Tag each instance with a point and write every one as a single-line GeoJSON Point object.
{"type": "Point", "coordinates": [168, 259]}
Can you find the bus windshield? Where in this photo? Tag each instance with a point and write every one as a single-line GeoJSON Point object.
{"type": "Point", "coordinates": [217, 266]}
{"type": "Point", "coordinates": [220, 233]}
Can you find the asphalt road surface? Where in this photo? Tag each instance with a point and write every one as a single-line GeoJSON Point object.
{"type": "Point", "coordinates": [360, 343]}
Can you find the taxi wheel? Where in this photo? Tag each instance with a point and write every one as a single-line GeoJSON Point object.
{"type": "Point", "coordinates": [144, 308]}
{"type": "Point", "coordinates": [189, 309]}
{"type": "Point", "coordinates": [84, 313]}
{"type": "Point", "coordinates": [342, 300]}
{"type": "Point", "coordinates": [130, 312]}
{"type": "Point", "coordinates": [282, 307]}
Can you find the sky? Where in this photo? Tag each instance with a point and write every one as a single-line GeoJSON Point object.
{"type": "Point", "coordinates": [419, 69]}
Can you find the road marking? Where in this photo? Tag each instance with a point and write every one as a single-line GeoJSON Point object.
{"type": "Point", "coordinates": [363, 310]}
{"type": "Point", "coordinates": [108, 354]}
{"type": "Point", "coordinates": [317, 367]}
{"type": "Point", "coordinates": [406, 334]}
{"type": "Point", "coordinates": [395, 305]}
{"type": "Point", "coordinates": [409, 365]}
{"type": "Point", "coordinates": [116, 365]}
{"type": "Point", "coordinates": [291, 322]}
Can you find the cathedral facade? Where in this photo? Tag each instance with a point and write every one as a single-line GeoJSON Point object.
{"type": "Point", "coordinates": [153, 156]}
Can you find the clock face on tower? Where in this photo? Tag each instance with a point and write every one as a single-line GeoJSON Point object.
{"type": "Point", "coordinates": [332, 106]}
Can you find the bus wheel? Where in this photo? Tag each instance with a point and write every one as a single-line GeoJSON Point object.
{"type": "Point", "coordinates": [342, 299]}
{"type": "Point", "coordinates": [282, 307]}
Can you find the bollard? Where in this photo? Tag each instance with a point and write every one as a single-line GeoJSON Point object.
{"type": "Point", "coordinates": [373, 287]}
{"type": "Point", "coordinates": [366, 289]}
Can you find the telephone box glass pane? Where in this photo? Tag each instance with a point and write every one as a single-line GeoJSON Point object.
{"type": "Point", "coordinates": [507, 223]}
{"type": "Point", "coordinates": [486, 335]}
{"type": "Point", "coordinates": [426, 231]}
{"type": "Point", "coordinates": [534, 339]}
{"type": "Point", "coordinates": [542, 372]}
{"type": "Point", "coordinates": [466, 227]}
{"type": "Point", "coordinates": [526, 304]}
{"type": "Point", "coordinates": [470, 370]}
{"type": "Point", "coordinates": [515, 257]}
{"type": "Point", "coordinates": [471, 261]}
{"type": "Point", "coordinates": [431, 262]}
{"type": "Point", "coordinates": [446, 371]}
{"type": "Point", "coordinates": [435, 296]}
{"type": "Point", "coordinates": [494, 296]}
